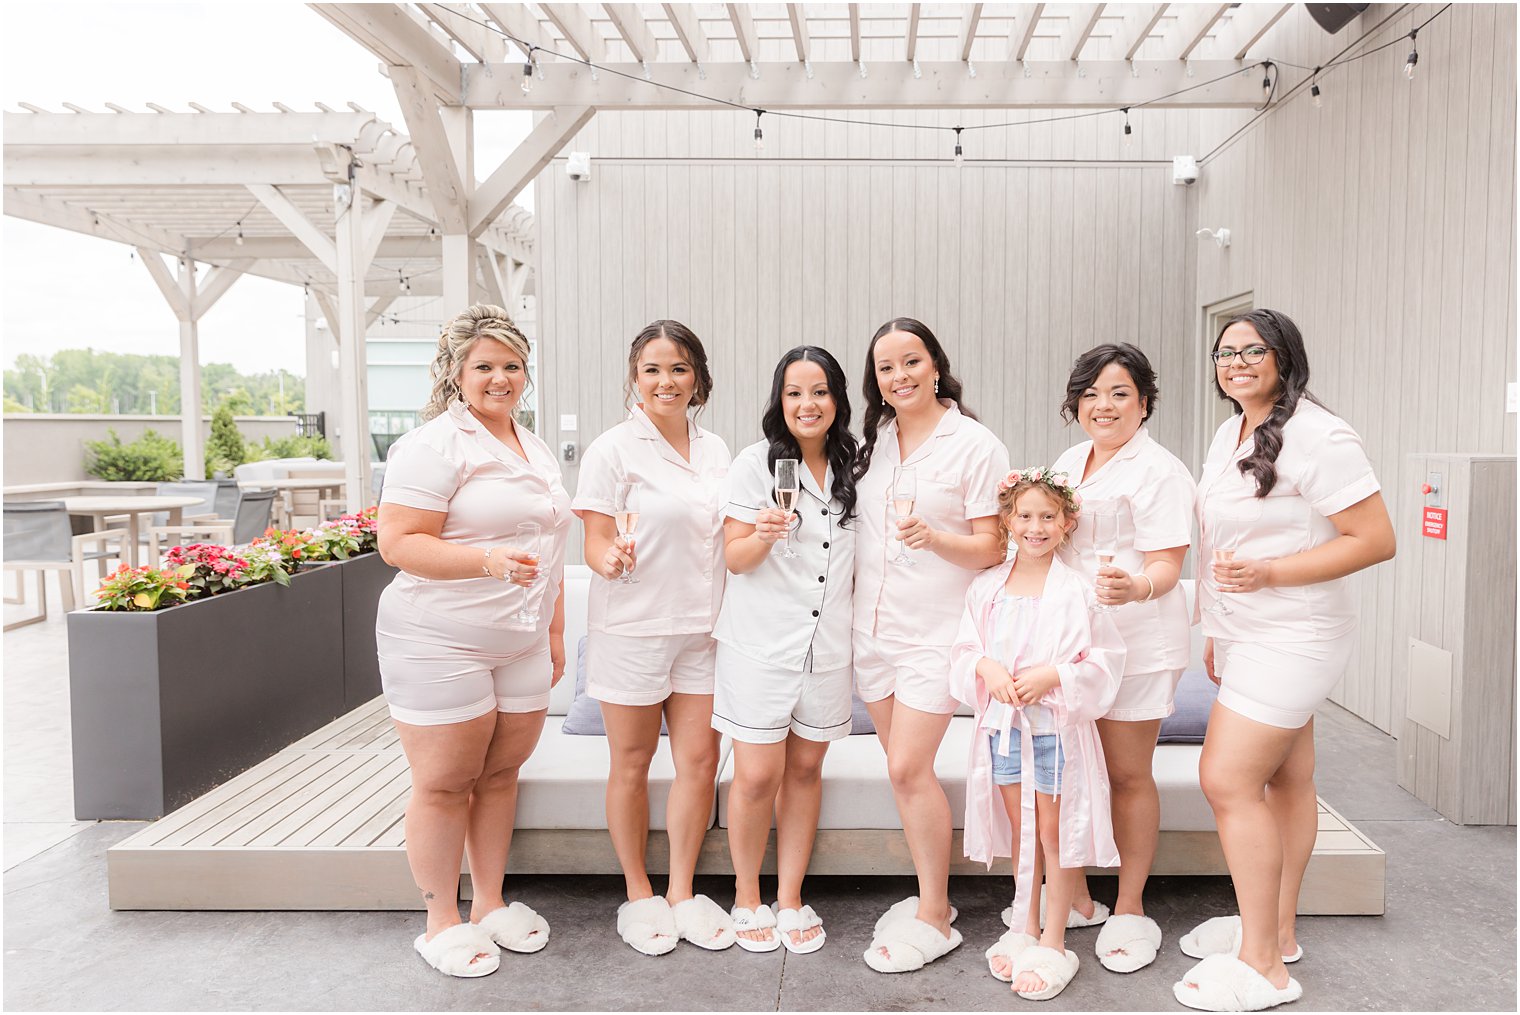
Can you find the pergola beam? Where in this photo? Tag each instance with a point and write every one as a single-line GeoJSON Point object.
{"type": "Point", "coordinates": [838, 85]}
{"type": "Point", "coordinates": [382, 213]}
{"type": "Point", "coordinates": [577, 29]}
{"type": "Point", "coordinates": [798, 17]}
{"type": "Point", "coordinates": [474, 38]}
{"type": "Point", "coordinates": [107, 130]}
{"type": "Point", "coordinates": [635, 33]}
{"type": "Point", "coordinates": [1245, 29]}
{"type": "Point", "coordinates": [1140, 21]}
{"type": "Point", "coordinates": [1081, 20]}
{"type": "Point", "coordinates": [377, 306]}
{"type": "Point", "coordinates": [1026, 17]}
{"type": "Point", "coordinates": [744, 30]}
{"type": "Point", "coordinates": [440, 168]}
{"type": "Point", "coordinates": [519, 169]}
{"type": "Point", "coordinates": [688, 30]}
{"type": "Point", "coordinates": [912, 37]}
{"type": "Point", "coordinates": [965, 36]}
{"type": "Point", "coordinates": [854, 32]}
{"type": "Point", "coordinates": [515, 20]}
{"type": "Point", "coordinates": [167, 283]}
{"type": "Point", "coordinates": [218, 281]}
{"type": "Point", "coordinates": [301, 227]}
{"type": "Point", "coordinates": [1194, 22]}
{"type": "Point", "coordinates": [400, 39]}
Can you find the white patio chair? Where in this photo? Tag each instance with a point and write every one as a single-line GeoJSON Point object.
{"type": "Point", "coordinates": [38, 537]}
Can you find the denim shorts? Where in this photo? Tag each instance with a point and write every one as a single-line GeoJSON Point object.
{"type": "Point", "coordinates": [1048, 760]}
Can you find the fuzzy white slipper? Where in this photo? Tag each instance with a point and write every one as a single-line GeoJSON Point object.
{"type": "Point", "coordinates": [1010, 946]}
{"type": "Point", "coordinates": [1128, 942]}
{"type": "Point", "coordinates": [1074, 919]}
{"type": "Point", "coordinates": [454, 951]}
{"type": "Point", "coordinates": [516, 928]}
{"type": "Point", "coordinates": [799, 920]}
{"type": "Point", "coordinates": [1221, 936]}
{"type": "Point", "coordinates": [648, 926]}
{"type": "Point", "coordinates": [1054, 967]}
{"type": "Point", "coordinates": [910, 944]}
{"type": "Point", "coordinates": [754, 919]}
{"type": "Point", "coordinates": [703, 922]}
{"type": "Point", "coordinates": [907, 909]}
{"type": "Point", "coordinates": [1224, 983]}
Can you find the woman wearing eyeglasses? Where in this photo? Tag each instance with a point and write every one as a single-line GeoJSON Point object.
{"type": "Point", "coordinates": [1288, 509]}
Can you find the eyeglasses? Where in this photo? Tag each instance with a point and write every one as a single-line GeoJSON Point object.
{"type": "Point", "coordinates": [1250, 355]}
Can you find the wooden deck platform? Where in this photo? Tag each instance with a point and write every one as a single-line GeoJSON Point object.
{"type": "Point", "coordinates": [320, 826]}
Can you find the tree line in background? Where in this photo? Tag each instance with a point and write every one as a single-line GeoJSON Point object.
{"type": "Point", "coordinates": [87, 381]}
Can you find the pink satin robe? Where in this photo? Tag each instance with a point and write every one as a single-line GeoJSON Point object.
{"type": "Point", "coordinates": [1088, 653]}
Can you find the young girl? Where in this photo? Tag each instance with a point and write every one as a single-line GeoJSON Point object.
{"type": "Point", "coordinates": [1039, 669]}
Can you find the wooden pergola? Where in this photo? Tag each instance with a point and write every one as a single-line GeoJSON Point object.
{"type": "Point", "coordinates": [330, 200]}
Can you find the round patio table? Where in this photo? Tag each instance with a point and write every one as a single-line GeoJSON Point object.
{"type": "Point", "coordinates": [97, 509]}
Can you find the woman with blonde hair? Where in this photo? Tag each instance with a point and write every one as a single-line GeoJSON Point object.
{"type": "Point", "coordinates": [471, 632]}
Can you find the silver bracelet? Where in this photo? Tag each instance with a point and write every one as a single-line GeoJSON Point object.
{"type": "Point", "coordinates": [1152, 589]}
{"type": "Point", "coordinates": [485, 565]}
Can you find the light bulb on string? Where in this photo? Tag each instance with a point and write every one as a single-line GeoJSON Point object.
{"type": "Point", "coordinates": [1128, 133]}
{"type": "Point", "coordinates": [1414, 55]}
{"type": "Point", "coordinates": [1314, 97]}
{"type": "Point", "coordinates": [960, 157]}
{"type": "Point", "coordinates": [759, 135]}
{"type": "Point", "coordinates": [527, 78]}
{"type": "Point", "coordinates": [239, 240]}
{"type": "Point", "coordinates": [1266, 81]}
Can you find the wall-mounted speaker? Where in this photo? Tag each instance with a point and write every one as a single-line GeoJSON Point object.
{"type": "Point", "coordinates": [1333, 17]}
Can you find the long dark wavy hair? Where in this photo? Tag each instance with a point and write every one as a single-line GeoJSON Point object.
{"type": "Point", "coordinates": [839, 445]}
{"type": "Point", "coordinates": [877, 409]}
{"type": "Point", "coordinates": [1281, 335]}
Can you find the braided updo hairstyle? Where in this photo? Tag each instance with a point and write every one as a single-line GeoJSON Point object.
{"type": "Point", "coordinates": [476, 322]}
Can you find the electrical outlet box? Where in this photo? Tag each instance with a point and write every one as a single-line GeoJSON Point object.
{"type": "Point", "coordinates": [567, 451]}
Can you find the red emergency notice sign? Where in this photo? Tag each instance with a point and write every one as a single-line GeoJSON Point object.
{"type": "Point", "coordinates": [1434, 523]}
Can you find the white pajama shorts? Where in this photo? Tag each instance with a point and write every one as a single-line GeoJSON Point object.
{"type": "Point", "coordinates": [435, 671]}
{"type": "Point", "coordinates": [759, 703]}
{"type": "Point", "coordinates": [1280, 684]}
{"type": "Point", "coordinates": [624, 669]}
{"type": "Point", "coordinates": [1144, 696]}
{"type": "Point", "coordinates": [917, 675]}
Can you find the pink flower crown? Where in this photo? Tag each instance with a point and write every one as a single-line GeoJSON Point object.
{"type": "Point", "coordinates": [1059, 482]}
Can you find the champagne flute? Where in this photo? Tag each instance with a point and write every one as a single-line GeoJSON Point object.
{"type": "Point", "coordinates": [904, 493]}
{"type": "Point", "coordinates": [786, 499]}
{"type": "Point", "coordinates": [1224, 539]}
{"type": "Point", "coordinates": [625, 512]}
{"type": "Point", "coordinates": [528, 539]}
{"type": "Point", "coordinates": [1105, 547]}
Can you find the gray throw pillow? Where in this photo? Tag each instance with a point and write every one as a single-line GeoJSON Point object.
{"type": "Point", "coordinates": [1195, 697]}
{"type": "Point", "coordinates": [584, 719]}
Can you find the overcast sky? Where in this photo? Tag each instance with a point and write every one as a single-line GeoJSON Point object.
{"type": "Point", "coordinates": [64, 290]}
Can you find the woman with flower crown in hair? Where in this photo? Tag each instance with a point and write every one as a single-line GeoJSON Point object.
{"type": "Point", "coordinates": [1039, 668]}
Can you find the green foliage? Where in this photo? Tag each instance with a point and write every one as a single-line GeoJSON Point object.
{"type": "Point", "coordinates": [225, 450]}
{"type": "Point", "coordinates": [144, 588]}
{"type": "Point", "coordinates": [152, 458]}
{"type": "Point", "coordinates": [83, 380]}
{"type": "Point", "coordinates": [11, 405]}
{"type": "Point", "coordinates": [294, 446]}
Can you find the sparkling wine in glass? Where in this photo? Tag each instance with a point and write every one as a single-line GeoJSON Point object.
{"type": "Point", "coordinates": [787, 488]}
{"type": "Point", "coordinates": [1105, 547]}
{"type": "Point", "coordinates": [1226, 537]}
{"type": "Point", "coordinates": [625, 512]}
{"type": "Point", "coordinates": [904, 493]}
{"type": "Point", "coordinates": [529, 538]}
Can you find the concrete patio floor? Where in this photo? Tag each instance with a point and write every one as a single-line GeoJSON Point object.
{"type": "Point", "coordinates": [1448, 941]}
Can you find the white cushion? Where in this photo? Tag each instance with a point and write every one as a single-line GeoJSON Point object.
{"type": "Point", "coordinates": [564, 783]}
{"type": "Point", "coordinates": [858, 794]}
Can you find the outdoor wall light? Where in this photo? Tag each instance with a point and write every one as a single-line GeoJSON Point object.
{"type": "Point", "coordinates": [1219, 236]}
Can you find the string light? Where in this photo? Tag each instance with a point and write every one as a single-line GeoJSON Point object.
{"type": "Point", "coordinates": [1414, 55]}
{"type": "Point", "coordinates": [1266, 80]}
{"type": "Point", "coordinates": [239, 240]}
{"type": "Point", "coordinates": [1128, 133]}
{"type": "Point", "coordinates": [527, 79]}
{"type": "Point", "coordinates": [759, 135]}
{"type": "Point", "coordinates": [1314, 98]}
{"type": "Point", "coordinates": [960, 158]}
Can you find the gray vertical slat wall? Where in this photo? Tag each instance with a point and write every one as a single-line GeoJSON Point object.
{"type": "Point", "coordinates": [1383, 224]}
{"type": "Point", "coordinates": [1018, 268]}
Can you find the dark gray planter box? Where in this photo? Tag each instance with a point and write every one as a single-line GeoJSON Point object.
{"type": "Point", "coordinates": [168, 705]}
{"type": "Point", "coordinates": [364, 578]}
